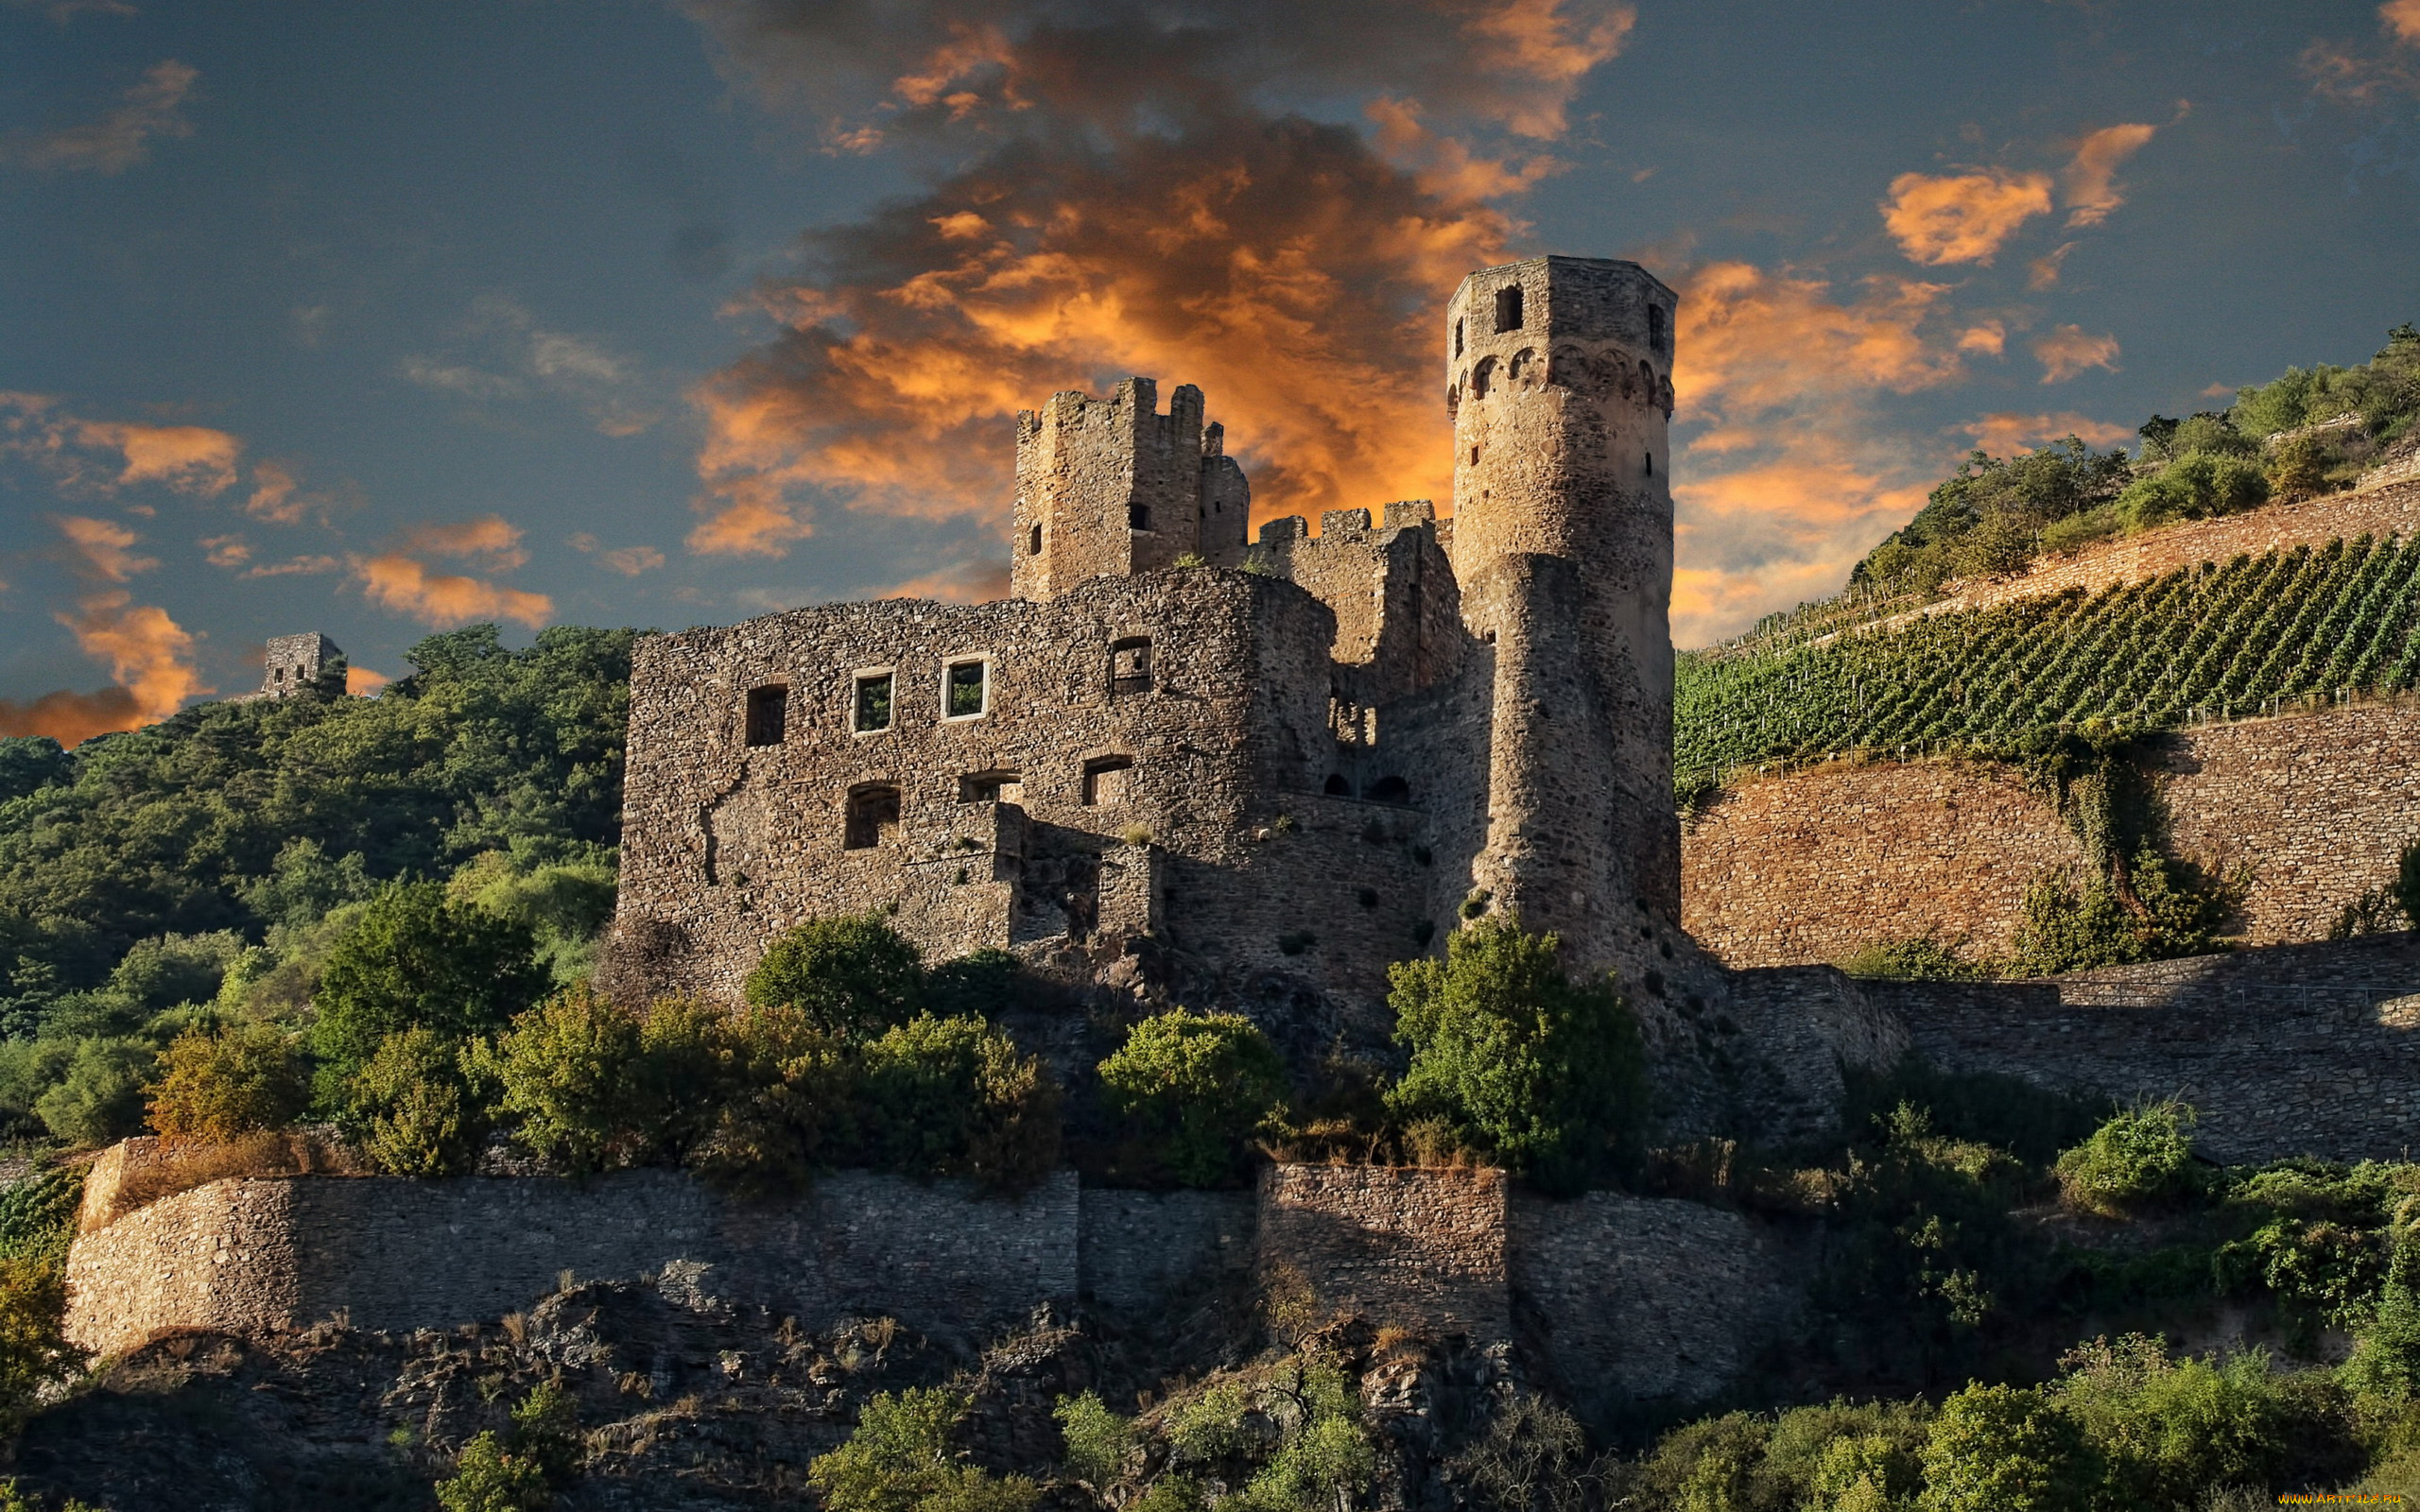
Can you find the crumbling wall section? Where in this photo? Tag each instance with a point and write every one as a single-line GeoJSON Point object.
{"type": "Point", "coordinates": [1414, 1248]}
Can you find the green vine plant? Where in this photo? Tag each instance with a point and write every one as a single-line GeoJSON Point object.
{"type": "Point", "coordinates": [2136, 902]}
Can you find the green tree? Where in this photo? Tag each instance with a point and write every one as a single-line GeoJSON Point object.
{"type": "Point", "coordinates": [415, 959]}
{"type": "Point", "coordinates": [900, 1459]}
{"type": "Point", "coordinates": [216, 1086]}
{"type": "Point", "coordinates": [1195, 1087]}
{"type": "Point", "coordinates": [1545, 1073]}
{"type": "Point", "coordinates": [954, 1098]}
{"type": "Point", "coordinates": [33, 1342]}
{"type": "Point", "coordinates": [417, 1108]}
{"type": "Point", "coordinates": [99, 1098]}
{"type": "Point", "coordinates": [568, 1071]}
{"type": "Point", "coordinates": [792, 1104]}
{"type": "Point", "coordinates": [2005, 1449]}
{"type": "Point", "coordinates": [853, 975]}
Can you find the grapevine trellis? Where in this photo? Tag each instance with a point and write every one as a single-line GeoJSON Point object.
{"type": "Point", "coordinates": [2214, 642]}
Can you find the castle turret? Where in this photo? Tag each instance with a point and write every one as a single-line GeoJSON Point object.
{"type": "Point", "coordinates": [1108, 486]}
{"type": "Point", "coordinates": [1559, 381]}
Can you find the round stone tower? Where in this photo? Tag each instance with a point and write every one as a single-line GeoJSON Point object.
{"type": "Point", "coordinates": [1559, 380]}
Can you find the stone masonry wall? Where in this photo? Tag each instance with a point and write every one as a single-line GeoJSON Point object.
{"type": "Point", "coordinates": [394, 1254]}
{"type": "Point", "coordinates": [2305, 1050]}
{"type": "Point", "coordinates": [1812, 864]}
{"type": "Point", "coordinates": [1637, 1297]}
{"type": "Point", "coordinates": [1420, 1249]}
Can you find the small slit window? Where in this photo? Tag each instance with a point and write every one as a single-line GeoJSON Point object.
{"type": "Point", "coordinates": [1033, 542]}
{"type": "Point", "coordinates": [1508, 308]}
{"type": "Point", "coordinates": [768, 714]}
{"type": "Point", "coordinates": [966, 690]}
{"type": "Point", "coordinates": [1651, 464]}
{"type": "Point", "coordinates": [1108, 781]}
{"type": "Point", "coordinates": [1458, 340]}
{"type": "Point", "coordinates": [873, 817]}
{"type": "Point", "coordinates": [872, 702]}
{"type": "Point", "coordinates": [1656, 327]}
{"type": "Point", "coordinates": [1130, 665]}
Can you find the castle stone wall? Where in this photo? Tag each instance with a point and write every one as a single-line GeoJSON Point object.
{"type": "Point", "coordinates": [1812, 864]}
{"type": "Point", "coordinates": [2309, 1050]}
{"type": "Point", "coordinates": [1145, 1252]}
{"type": "Point", "coordinates": [394, 1254]}
{"type": "Point", "coordinates": [1419, 1249]}
{"type": "Point", "coordinates": [1639, 1297]}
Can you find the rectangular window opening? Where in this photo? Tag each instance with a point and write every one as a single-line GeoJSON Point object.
{"type": "Point", "coordinates": [1108, 781]}
{"type": "Point", "coordinates": [874, 703]}
{"type": "Point", "coordinates": [872, 816]}
{"type": "Point", "coordinates": [995, 786]}
{"type": "Point", "coordinates": [965, 689]}
{"type": "Point", "coordinates": [768, 714]}
{"type": "Point", "coordinates": [1508, 308]}
{"type": "Point", "coordinates": [1130, 665]}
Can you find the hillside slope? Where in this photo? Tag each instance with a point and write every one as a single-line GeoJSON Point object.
{"type": "Point", "coordinates": [2203, 619]}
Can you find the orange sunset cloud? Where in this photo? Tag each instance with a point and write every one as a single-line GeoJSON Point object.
{"type": "Point", "coordinates": [1964, 217]}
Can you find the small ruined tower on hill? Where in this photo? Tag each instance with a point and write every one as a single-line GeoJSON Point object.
{"type": "Point", "coordinates": [297, 664]}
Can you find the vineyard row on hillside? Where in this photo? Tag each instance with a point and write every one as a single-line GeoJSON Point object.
{"type": "Point", "coordinates": [2213, 642]}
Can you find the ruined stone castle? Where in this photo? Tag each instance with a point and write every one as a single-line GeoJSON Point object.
{"type": "Point", "coordinates": [1259, 765]}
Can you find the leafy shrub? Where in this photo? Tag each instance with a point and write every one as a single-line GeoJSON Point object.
{"type": "Point", "coordinates": [522, 1469]}
{"type": "Point", "coordinates": [416, 1108]}
{"type": "Point", "coordinates": [953, 1097]}
{"type": "Point", "coordinates": [33, 1345]}
{"type": "Point", "coordinates": [1533, 1457]}
{"type": "Point", "coordinates": [2005, 1449]}
{"type": "Point", "coordinates": [792, 1105]}
{"type": "Point", "coordinates": [2200, 487]}
{"type": "Point", "coordinates": [2299, 468]}
{"type": "Point", "coordinates": [1098, 1441]}
{"type": "Point", "coordinates": [38, 1215]}
{"type": "Point", "coordinates": [853, 975]}
{"type": "Point", "coordinates": [2141, 1156]}
{"type": "Point", "coordinates": [2070, 536]}
{"type": "Point", "coordinates": [217, 1086]}
{"type": "Point", "coordinates": [2384, 1368]}
{"type": "Point", "coordinates": [1924, 958]}
{"type": "Point", "coordinates": [2175, 910]}
{"type": "Point", "coordinates": [2168, 1430]}
{"type": "Point", "coordinates": [899, 1459]}
{"type": "Point", "coordinates": [1195, 1087]}
{"type": "Point", "coordinates": [1546, 1074]}
{"type": "Point", "coordinates": [99, 1099]}
{"type": "Point", "coordinates": [416, 959]}
{"type": "Point", "coordinates": [566, 1069]}
{"type": "Point", "coordinates": [1290, 1431]}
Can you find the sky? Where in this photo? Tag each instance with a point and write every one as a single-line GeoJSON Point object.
{"type": "Point", "coordinates": [381, 320]}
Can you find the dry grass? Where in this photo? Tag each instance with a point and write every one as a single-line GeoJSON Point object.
{"type": "Point", "coordinates": [181, 1166]}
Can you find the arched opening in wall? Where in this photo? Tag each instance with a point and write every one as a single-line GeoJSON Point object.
{"type": "Point", "coordinates": [1655, 326]}
{"type": "Point", "coordinates": [872, 816]}
{"type": "Point", "coordinates": [1389, 790]}
{"type": "Point", "coordinates": [1138, 517]}
{"type": "Point", "coordinates": [1108, 780]}
{"type": "Point", "coordinates": [1130, 665]}
{"type": "Point", "coordinates": [768, 714]}
{"type": "Point", "coordinates": [1337, 787]}
{"type": "Point", "coordinates": [1524, 365]}
{"type": "Point", "coordinates": [1482, 377]}
{"type": "Point", "coordinates": [996, 785]}
{"type": "Point", "coordinates": [1508, 308]}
